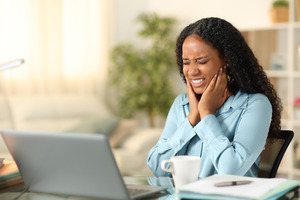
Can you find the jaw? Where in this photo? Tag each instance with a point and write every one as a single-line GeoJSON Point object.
{"type": "Point", "coordinates": [199, 90]}
{"type": "Point", "coordinates": [198, 85]}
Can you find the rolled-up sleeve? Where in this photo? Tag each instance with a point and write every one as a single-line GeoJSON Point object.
{"type": "Point", "coordinates": [173, 141]}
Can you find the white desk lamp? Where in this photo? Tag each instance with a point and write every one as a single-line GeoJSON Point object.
{"type": "Point", "coordinates": [11, 64]}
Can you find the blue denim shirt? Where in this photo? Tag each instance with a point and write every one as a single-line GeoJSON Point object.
{"type": "Point", "coordinates": [229, 142]}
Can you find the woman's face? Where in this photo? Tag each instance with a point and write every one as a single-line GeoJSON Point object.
{"type": "Point", "coordinates": [200, 62]}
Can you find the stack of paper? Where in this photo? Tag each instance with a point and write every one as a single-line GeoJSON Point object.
{"type": "Point", "coordinates": [9, 175]}
{"type": "Point", "coordinates": [258, 188]}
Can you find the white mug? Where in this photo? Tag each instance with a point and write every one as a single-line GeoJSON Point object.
{"type": "Point", "coordinates": [185, 169]}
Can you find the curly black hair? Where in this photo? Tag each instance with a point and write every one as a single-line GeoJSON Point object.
{"type": "Point", "coordinates": [242, 65]}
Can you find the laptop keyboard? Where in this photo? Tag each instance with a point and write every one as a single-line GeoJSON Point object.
{"type": "Point", "coordinates": [137, 191]}
{"type": "Point", "coordinates": [142, 190]}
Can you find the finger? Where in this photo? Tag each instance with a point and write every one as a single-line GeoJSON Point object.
{"type": "Point", "coordinates": [190, 92]}
{"type": "Point", "coordinates": [221, 75]}
{"type": "Point", "coordinates": [188, 83]}
{"type": "Point", "coordinates": [221, 83]}
{"type": "Point", "coordinates": [212, 83]}
{"type": "Point", "coordinates": [225, 93]}
{"type": "Point", "coordinates": [189, 86]}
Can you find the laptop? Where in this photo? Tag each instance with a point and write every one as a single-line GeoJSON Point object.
{"type": "Point", "coordinates": [70, 164]}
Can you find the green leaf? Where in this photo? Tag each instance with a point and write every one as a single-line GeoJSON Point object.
{"type": "Point", "coordinates": [278, 3]}
{"type": "Point", "coordinates": [141, 76]}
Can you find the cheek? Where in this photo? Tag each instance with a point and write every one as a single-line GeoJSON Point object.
{"type": "Point", "coordinates": [212, 70]}
{"type": "Point", "coordinates": [185, 70]}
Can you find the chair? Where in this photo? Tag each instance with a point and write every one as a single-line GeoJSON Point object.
{"type": "Point", "coordinates": [273, 153]}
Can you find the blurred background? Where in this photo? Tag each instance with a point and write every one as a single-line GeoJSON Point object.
{"type": "Point", "coordinates": [108, 66]}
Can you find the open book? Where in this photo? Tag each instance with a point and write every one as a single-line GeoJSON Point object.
{"type": "Point", "coordinates": [255, 188]}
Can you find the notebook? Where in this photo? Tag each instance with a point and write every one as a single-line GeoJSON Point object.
{"type": "Point", "coordinates": [70, 164]}
{"type": "Point", "coordinates": [227, 187]}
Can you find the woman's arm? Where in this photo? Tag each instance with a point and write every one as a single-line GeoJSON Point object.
{"type": "Point", "coordinates": [238, 155]}
{"type": "Point", "coordinates": [174, 139]}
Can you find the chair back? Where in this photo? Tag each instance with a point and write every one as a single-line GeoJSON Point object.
{"type": "Point", "coordinates": [272, 155]}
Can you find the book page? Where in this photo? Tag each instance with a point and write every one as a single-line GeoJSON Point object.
{"type": "Point", "coordinates": [257, 188]}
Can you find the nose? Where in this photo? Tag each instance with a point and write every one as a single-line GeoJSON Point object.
{"type": "Point", "coordinates": [193, 69]}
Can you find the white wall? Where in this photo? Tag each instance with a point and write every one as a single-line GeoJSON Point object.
{"type": "Point", "coordinates": [241, 13]}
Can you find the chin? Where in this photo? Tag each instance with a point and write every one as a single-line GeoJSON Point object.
{"type": "Point", "coordinates": [197, 91]}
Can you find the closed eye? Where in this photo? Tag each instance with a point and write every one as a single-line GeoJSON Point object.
{"type": "Point", "coordinates": [198, 61]}
{"type": "Point", "coordinates": [201, 60]}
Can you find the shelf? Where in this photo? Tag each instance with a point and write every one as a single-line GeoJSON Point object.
{"type": "Point", "coordinates": [281, 39]}
{"type": "Point", "coordinates": [277, 73]}
{"type": "Point", "coordinates": [282, 74]}
{"type": "Point", "coordinates": [275, 26]}
{"type": "Point", "coordinates": [296, 123]}
{"type": "Point", "coordinates": [296, 74]}
{"type": "Point", "coordinates": [296, 24]}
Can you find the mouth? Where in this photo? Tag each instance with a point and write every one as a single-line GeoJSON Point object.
{"type": "Point", "coordinates": [197, 82]}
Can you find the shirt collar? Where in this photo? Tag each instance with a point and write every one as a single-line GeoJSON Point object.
{"type": "Point", "coordinates": [185, 100]}
{"type": "Point", "coordinates": [238, 100]}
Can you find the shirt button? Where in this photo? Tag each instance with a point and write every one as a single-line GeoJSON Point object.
{"type": "Point", "coordinates": [203, 138]}
{"type": "Point", "coordinates": [178, 146]}
{"type": "Point", "coordinates": [181, 141]}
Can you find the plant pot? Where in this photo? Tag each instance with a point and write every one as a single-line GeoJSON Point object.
{"type": "Point", "coordinates": [279, 14]}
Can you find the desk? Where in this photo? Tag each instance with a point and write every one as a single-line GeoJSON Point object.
{"type": "Point", "coordinates": [16, 193]}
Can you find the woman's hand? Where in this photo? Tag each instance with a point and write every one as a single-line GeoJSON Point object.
{"type": "Point", "coordinates": [215, 94]}
{"type": "Point", "coordinates": [194, 115]}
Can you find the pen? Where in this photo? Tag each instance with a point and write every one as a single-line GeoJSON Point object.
{"type": "Point", "coordinates": [231, 183]}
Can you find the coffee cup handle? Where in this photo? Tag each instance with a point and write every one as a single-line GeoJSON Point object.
{"type": "Point", "coordinates": [163, 166]}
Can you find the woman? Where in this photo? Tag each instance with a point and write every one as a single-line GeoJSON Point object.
{"type": "Point", "coordinates": [230, 106]}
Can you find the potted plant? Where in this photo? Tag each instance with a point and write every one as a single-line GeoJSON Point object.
{"type": "Point", "coordinates": [141, 75]}
{"type": "Point", "coordinates": [280, 11]}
